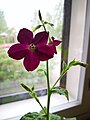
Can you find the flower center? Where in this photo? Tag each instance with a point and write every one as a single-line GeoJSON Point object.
{"type": "Point", "coordinates": [32, 47]}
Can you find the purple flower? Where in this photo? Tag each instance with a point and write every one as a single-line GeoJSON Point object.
{"type": "Point", "coordinates": [32, 49]}
{"type": "Point", "coordinates": [53, 44]}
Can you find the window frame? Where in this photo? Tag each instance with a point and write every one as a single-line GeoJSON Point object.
{"type": "Point", "coordinates": [65, 37]}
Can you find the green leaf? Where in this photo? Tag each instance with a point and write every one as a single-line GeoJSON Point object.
{"type": "Point", "coordinates": [80, 63]}
{"type": "Point", "coordinates": [33, 116]}
{"type": "Point", "coordinates": [30, 90]}
{"type": "Point", "coordinates": [41, 70]}
{"type": "Point", "coordinates": [26, 87]}
{"type": "Point", "coordinates": [61, 91]}
{"type": "Point", "coordinates": [37, 27]}
{"type": "Point", "coordinates": [55, 117]}
{"type": "Point", "coordinates": [74, 63]}
{"type": "Point", "coordinates": [41, 116]}
{"type": "Point", "coordinates": [45, 22]}
{"type": "Point", "coordinates": [40, 16]}
{"type": "Point", "coordinates": [71, 63]}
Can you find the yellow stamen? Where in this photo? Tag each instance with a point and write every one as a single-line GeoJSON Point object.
{"type": "Point", "coordinates": [32, 47]}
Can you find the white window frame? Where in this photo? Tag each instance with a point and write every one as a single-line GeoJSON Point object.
{"type": "Point", "coordinates": [79, 31]}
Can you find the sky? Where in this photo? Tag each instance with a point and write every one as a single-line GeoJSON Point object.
{"type": "Point", "coordinates": [19, 13]}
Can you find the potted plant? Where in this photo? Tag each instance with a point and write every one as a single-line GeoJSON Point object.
{"type": "Point", "coordinates": [35, 49]}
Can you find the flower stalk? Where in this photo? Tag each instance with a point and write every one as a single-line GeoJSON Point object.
{"type": "Point", "coordinates": [47, 69]}
{"type": "Point", "coordinates": [48, 90]}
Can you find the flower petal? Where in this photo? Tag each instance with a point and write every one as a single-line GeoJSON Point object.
{"type": "Point", "coordinates": [53, 47]}
{"type": "Point", "coordinates": [18, 51]}
{"type": "Point", "coordinates": [31, 61]}
{"type": "Point", "coordinates": [56, 42]}
{"type": "Point", "coordinates": [41, 38]}
{"type": "Point", "coordinates": [43, 56]}
{"type": "Point", "coordinates": [25, 36]}
{"type": "Point", "coordinates": [47, 49]}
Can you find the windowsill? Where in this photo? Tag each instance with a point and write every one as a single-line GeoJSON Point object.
{"type": "Point", "coordinates": [13, 111]}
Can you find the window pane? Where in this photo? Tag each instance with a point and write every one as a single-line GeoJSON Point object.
{"type": "Point", "coordinates": [15, 15]}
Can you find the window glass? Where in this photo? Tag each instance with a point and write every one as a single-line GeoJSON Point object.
{"type": "Point", "coordinates": [18, 14]}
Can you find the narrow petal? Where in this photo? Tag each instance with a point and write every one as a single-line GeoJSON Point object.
{"type": "Point", "coordinates": [47, 49]}
{"type": "Point", "coordinates": [53, 45]}
{"type": "Point", "coordinates": [56, 42]}
{"type": "Point", "coordinates": [25, 36]}
{"type": "Point", "coordinates": [41, 38]}
{"type": "Point", "coordinates": [18, 51]}
{"type": "Point", "coordinates": [43, 56]}
{"type": "Point", "coordinates": [31, 61]}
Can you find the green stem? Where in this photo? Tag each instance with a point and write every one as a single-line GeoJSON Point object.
{"type": "Point", "coordinates": [40, 105]}
{"type": "Point", "coordinates": [43, 25]}
{"type": "Point", "coordinates": [33, 94]}
{"type": "Point", "coordinates": [48, 83]}
{"type": "Point", "coordinates": [61, 75]}
{"type": "Point", "coordinates": [48, 91]}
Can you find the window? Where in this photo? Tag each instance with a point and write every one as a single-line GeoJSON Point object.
{"type": "Point", "coordinates": [78, 48]}
{"type": "Point", "coordinates": [14, 16]}
{"type": "Point", "coordinates": [79, 42]}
